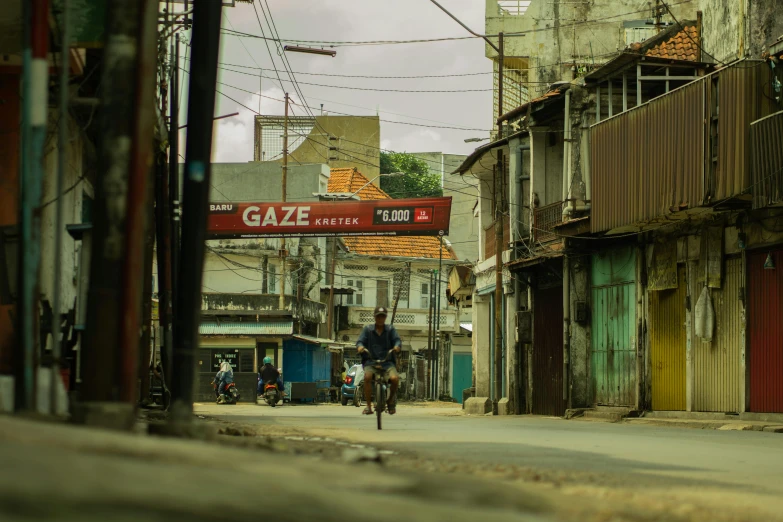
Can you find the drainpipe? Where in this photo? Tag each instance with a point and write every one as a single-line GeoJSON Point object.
{"type": "Point", "coordinates": [587, 174]}
{"type": "Point", "coordinates": [567, 172]}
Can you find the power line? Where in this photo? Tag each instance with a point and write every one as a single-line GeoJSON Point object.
{"type": "Point", "coordinates": [347, 114]}
{"type": "Point", "coordinates": [363, 76]}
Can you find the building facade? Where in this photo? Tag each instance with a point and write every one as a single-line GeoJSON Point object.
{"type": "Point", "coordinates": [615, 253]}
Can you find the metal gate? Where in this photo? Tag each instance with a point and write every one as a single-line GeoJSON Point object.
{"type": "Point", "coordinates": [547, 368]}
{"type": "Point", "coordinates": [765, 331]}
{"type": "Point", "coordinates": [717, 366]}
{"type": "Point", "coordinates": [668, 346]}
{"type": "Point", "coordinates": [462, 378]}
{"type": "Point", "coordinates": [613, 360]}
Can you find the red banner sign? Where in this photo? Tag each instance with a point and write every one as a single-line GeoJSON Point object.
{"type": "Point", "coordinates": [386, 217]}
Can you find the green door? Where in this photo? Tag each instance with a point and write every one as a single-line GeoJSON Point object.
{"type": "Point", "coordinates": [613, 357]}
{"type": "Point", "coordinates": [463, 374]}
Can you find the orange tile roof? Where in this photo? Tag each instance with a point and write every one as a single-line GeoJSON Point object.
{"type": "Point", "coordinates": [681, 46]}
{"type": "Point", "coordinates": [351, 180]}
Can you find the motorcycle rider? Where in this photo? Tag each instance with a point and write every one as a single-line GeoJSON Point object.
{"type": "Point", "coordinates": [224, 377]}
{"type": "Point", "coordinates": [374, 343]}
{"type": "Point", "coordinates": [269, 375]}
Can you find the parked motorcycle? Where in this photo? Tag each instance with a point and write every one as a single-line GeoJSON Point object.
{"type": "Point", "coordinates": [229, 395]}
{"type": "Point", "coordinates": [271, 394]}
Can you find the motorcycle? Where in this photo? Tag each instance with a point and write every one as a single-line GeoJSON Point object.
{"type": "Point", "coordinates": [229, 395]}
{"type": "Point", "coordinates": [271, 394]}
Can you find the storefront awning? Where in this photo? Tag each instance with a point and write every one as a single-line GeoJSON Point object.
{"type": "Point", "coordinates": [271, 328]}
{"type": "Point", "coordinates": [326, 343]}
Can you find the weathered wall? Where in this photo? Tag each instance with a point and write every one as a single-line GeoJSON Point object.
{"type": "Point", "coordinates": [552, 40]}
{"type": "Point", "coordinates": [580, 335]}
{"type": "Point", "coordinates": [358, 142]}
{"type": "Point", "coordinates": [262, 181]}
{"type": "Point", "coordinates": [72, 202]}
{"type": "Point", "coordinates": [463, 191]}
{"type": "Point", "coordinates": [482, 322]}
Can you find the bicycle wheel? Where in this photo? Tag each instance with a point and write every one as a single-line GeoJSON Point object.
{"type": "Point", "coordinates": [380, 402]}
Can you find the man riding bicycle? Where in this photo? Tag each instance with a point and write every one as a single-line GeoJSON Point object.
{"type": "Point", "coordinates": [374, 344]}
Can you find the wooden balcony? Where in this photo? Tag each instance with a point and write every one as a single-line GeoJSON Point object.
{"type": "Point", "coordinates": [489, 239]}
{"type": "Point", "coordinates": [544, 220]}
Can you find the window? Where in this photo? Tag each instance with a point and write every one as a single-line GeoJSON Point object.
{"type": "Point", "coordinates": [357, 298]}
{"type": "Point", "coordinates": [271, 271]}
{"type": "Point", "coordinates": [382, 293]}
{"type": "Point", "coordinates": [513, 7]}
{"type": "Point", "coordinates": [425, 295]}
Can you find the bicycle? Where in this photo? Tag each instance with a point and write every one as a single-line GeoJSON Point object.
{"type": "Point", "coordinates": [381, 384]}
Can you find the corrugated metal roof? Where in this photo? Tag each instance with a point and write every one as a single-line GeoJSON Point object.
{"type": "Point", "coordinates": [260, 328]}
{"type": "Point", "coordinates": [319, 340]}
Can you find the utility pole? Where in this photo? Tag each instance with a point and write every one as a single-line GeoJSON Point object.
{"type": "Point", "coordinates": [59, 226]}
{"type": "Point", "coordinates": [174, 209]}
{"type": "Point", "coordinates": [201, 108]}
{"type": "Point", "coordinates": [430, 304]}
{"type": "Point", "coordinates": [35, 103]}
{"type": "Point", "coordinates": [283, 254]}
{"type": "Point", "coordinates": [499, 173]}
{"type": "Point", "coordinates": [498, 356]}
{"type": "Point", "coordinates": [658, 15]}
{"type": "Point", "coordinates": [330, 326]}
{"type": "Point", "coordinates": [437, 320]}
{"type": "Point", "coordinates": [126, 124]}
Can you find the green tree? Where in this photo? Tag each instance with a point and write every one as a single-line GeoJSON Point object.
{"type": "Point", "coordinates": [417, 181]}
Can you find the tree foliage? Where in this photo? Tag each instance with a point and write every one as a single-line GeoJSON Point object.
{"type": "Point", "coordinates": [417, 181]}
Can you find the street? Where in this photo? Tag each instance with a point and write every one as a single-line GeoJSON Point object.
{"type": "Point", "coordinates": [723, 469]}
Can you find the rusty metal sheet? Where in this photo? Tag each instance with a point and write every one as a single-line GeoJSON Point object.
{"type": "Point", "coordinates": [657, 159]}
{"type": "Point", "coordinates": [547, 362]}
{"type": "Point", "coordinates": [742, 99]}
{"type": "Point", "coordinates": [668, 346]}
{"type": "Point", "coordinates": [649, 161]}
{"type": "Point", "coordinates": [766, 159]}
{"type": "Point", "coordinates": [718, 370]}
{"type": "Point", "coordinates": [765, 331]}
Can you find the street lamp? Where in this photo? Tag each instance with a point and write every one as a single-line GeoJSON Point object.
{"type": "Point", "coordinates": [309, 50]}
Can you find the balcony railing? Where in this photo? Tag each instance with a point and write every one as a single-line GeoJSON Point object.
{"type": "Point", "coordinates": [407, 319]}
{"type": "Point", "coordinates": [544, 220]}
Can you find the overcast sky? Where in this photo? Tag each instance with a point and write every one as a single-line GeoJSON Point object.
{"type": "Point", "coordinates": [360, 20]}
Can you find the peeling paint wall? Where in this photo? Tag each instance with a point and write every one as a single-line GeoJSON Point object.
{"type": "Point", "coordinates": [580, 335]}
{"type": "Point", "coordinates": [553, 41]}
{"type": "Point", "coordinates": [72, 202]}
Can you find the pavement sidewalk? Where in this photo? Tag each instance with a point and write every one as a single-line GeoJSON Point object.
{"type": "Point", "coordinates": [61, 472]}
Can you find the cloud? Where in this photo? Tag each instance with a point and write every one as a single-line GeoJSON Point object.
{"type": "Point", "coordinates": [350, 20]}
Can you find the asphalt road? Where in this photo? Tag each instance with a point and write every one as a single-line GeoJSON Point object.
{"type": "Point", "coordinates": [736, 468]}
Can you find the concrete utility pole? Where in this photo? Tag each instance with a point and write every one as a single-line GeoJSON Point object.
{"type": "Point", "coordinates": [35, 81]}
{"type": "Point", "coordinates": [498, 356]}
{"type": "Point", "coordinates": [499, 173]}
{"type": "Point", "coordinates": [126, 125]}
{"type": "Point", "coordinates": [201, 108]}
{"type": "Point", "coordinates": [283, 253]}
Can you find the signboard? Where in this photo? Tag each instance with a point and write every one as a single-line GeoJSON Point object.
{"type": "Point", "coordinates": [663, 267]}
{"type": "Point", "coordinates": [386, 217]}
{"type": "Point", "coordinates": [229, 355]}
